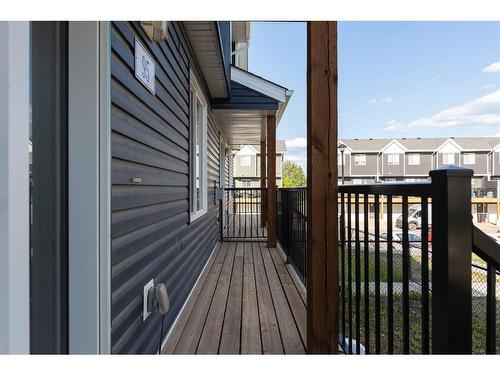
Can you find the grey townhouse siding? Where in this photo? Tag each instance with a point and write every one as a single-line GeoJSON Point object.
{"type": "Point", "coordinates": [410, 159]}
{"type": "Point", "coordinates": [152, 237]}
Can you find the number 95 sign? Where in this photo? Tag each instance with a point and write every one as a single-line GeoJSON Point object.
{"type": "Point", "coordinates": [144, 67]}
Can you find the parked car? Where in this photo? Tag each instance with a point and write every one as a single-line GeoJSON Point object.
{"type": "Point", "coordinates": [398, 237]}
{"type": "Point", "coordinates": [414, 217]}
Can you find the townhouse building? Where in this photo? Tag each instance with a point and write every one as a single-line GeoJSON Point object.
{"type": "Point", "coordinates": [410, 159]}
{"type": "Point", "coordinates": [247, 165]}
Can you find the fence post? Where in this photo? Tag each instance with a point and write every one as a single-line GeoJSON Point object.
{"type": "Point", "coordinates": [451, 261]}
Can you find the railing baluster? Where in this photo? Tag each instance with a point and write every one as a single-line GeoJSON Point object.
{"type": "Point", "coordinates": [349, 268]}
{"type": "Point", "coordinates": [366, 274]}
{"type": "Point", "coordinates": [377, 273]}
{"type": "Point", "coordinates": [251, 214]}
{"type": "Point", "coordinates": [342, 261]}
{"type": "Point", "coordinates": [425, 275]}
{"type": "Point", "coordinates": [390, 280]}
{"type": "Point", "coordinates": [406, 279]}
{"type": "Point", "coordinates": [491, 310]}
{"type": "Point", "coordinates": [358, 272]}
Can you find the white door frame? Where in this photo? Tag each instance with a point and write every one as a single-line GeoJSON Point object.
{"type": "Point", "coordinates": [89, 185]}
{"type": "Point", "coordinates": [14, 188]}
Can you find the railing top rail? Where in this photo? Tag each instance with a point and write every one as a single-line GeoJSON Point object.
{"type": "Point", "coordinates": [244, 188]}
{"type": "Point", "coordinates": [299, 188]}
{"type": "Point", "coordinates": [421, 189]}
{"type": "Point", "coordinates": [485, 246]}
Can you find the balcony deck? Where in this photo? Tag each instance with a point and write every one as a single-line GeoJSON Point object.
{"type": "Point", "coordinates": [247, 301]}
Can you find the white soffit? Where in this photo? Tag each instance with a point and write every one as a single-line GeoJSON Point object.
{"type": "Point", "coordinates": [242, 127]}
{"type": "Point", "coordinates": [204, 38]}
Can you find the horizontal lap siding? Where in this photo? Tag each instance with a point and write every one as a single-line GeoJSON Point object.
{"type": "Point", "coordinates": [151, 234]}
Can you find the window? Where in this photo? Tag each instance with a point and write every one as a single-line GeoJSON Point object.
{"type": "Point", "coordinates": [470, 158]}
{"type": "Point", "coordinates": [197, 152]}
{"type": "Point", "coordinates": [360, 159]}
{"type": "Point", "coordinates": [245, 160]}
{"type": "Point", "coordinates": [448, 158]}
{"type": "Point", "coordinates": [413, 159]}
{"type": "Point", "coordinates": [393, 159]}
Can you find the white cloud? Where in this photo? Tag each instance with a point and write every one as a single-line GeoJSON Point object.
{"type": "Point", "coordinates": [482, 111]}
{"type": "Point", "coordinates": [296, 151]}
{"type": "Point", "coordinates": [492, 68]}
{"type": "Point", "coordinates": [488, 86]}
{"type": "Point", "coordinates": [296, 143]}
{"type": "Point", "coordinates": [394, 125]}
{"type": "Point", "coordinates": [387, 99]}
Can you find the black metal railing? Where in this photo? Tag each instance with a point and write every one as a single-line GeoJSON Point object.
{"type": "Point", "coordinates": [485, 295]}
{"type": "Point", "coordinates": [244, 214]}
{"type": "Point", "coordinates": [292, 227]}
{"type": "Point", "coordinates": [397, 295]}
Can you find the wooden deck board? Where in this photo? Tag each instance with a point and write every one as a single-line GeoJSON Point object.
{"type": "Point", "coordinates": [295, 302]}
{"type": "Point", "coordinates": [245, 302]}
{"type": "Point", "coordinates": [290, 336]}
{"type": "Point", "coordinates": [230, 340]}
{"type": "Point", "coordinates": [209, 341]}
{"type": "Point", "coordinates": [250, 325]}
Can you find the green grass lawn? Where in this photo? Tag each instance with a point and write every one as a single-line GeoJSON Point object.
{"type": "Point", "coordinates": [478, 324]}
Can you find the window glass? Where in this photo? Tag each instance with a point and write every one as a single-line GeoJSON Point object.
{"type": "Point", "coordinates": [393, 159]}
{"type": "Point", "coordinates": [448, 158]}
{"type": "Point", "coordinates": [470, 158]}
{"type": "Point", "coordinates": [245, 160]}
{"type": "Point", "coordinates": [360, 159]}
{"type": "Point", "coordinates": [198, 150]}
{"type": "Point", "coordinates": [414, 159]}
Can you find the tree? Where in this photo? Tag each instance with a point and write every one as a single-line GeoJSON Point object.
{"type": "Point", "coordinates": [293, 175]}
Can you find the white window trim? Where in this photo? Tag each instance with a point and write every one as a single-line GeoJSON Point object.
{"type": "Point", "coordinates": [196, 90]}
{"type": "Point", "coordinates": [415, 155]}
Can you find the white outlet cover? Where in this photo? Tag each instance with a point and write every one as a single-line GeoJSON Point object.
{"type": "Point", "coordinates": [145, 312]}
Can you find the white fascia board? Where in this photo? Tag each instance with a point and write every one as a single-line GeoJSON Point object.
{"type": "Point", "coordinates": [259, 84]}
{"type": "Point", "coordinates": [449, 141]}
{"type": "Point", "coordinates": [282, 106]}
{"type": "Point", "coordinates": [394, 143]}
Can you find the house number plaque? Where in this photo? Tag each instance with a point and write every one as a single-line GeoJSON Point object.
{"type": "Point", "coordinates": [144, 67]}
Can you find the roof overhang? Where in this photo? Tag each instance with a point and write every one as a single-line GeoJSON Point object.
{"type": "Point", "coordinates": [244, 116]}
{"type": "Point", "coordinates": [206, 40]}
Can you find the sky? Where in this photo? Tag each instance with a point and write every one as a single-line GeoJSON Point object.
{"type": "Point", "coordinates": [396, 79]}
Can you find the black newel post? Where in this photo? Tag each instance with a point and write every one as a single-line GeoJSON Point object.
{"type": "Point", "coordinates": [451, 261]}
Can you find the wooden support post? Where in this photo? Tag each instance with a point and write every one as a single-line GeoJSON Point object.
{"type": "Point", "coordinates": [271, 181]}
{"type": "Point", "coordinates": [263, 202]}
{"type": "Point", "coordinates": [322, 192]}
